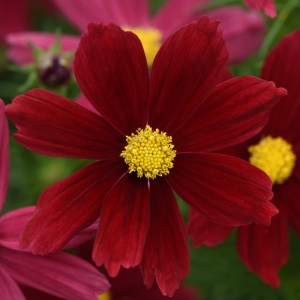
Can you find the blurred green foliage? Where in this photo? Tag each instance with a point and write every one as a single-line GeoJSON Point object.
{"type": "Point", "coordinates": [217, 271]}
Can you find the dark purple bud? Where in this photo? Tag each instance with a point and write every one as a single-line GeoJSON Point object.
{"type": "Point", "coordinates": [54, 70]}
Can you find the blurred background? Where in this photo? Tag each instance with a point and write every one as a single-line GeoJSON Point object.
{"type": "Point", "coordinates": [216, 272]}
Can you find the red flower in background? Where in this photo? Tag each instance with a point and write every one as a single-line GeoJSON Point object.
{"type": "Point", "coordinates": [140, 223]}
{"type": "Point", "coordinates": [276, 149]}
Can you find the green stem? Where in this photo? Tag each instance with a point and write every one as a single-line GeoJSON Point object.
{"type": "Point", "coordinates": [278, 23]}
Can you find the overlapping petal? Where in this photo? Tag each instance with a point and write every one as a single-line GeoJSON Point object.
{"type": "Point", "coordinates": [111, 69]}
{"type": "Point", "coordinates": [9, 289]}
{"type": "Point", "coordinates": [185, 71]}
{"type": "Point", "coordinates": [225, 189]}
{"type": "Point", "coordinates": [4, 155]}
{"type": "Point", "coordinates": [69, 206]}
{"type": "Point", "coordinates": [53, 125]}
{"type": "Point", "coordinates": [264, 250]}
{"type": "Point", "coordinates": [235, 111]}
{"type": "Point", "coordinates": [266, 5]}
{"type": "Point", "coordinates": [166, 254]}
{"type": "Point", "coordinates": [20, 52]}
{"type": "Point", "coordinates": [283, 67]}
{"type": "Point", "coordinates": [205, 232]}
{"type": "Point", "coordinates": [59, 274]}
{"type": "Point", "coordinates": [124, 224]}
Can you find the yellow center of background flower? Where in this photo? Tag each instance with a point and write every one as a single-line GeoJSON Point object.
{"type": "Point", "coordinates": [105, 296]}
{"type": "Point", "coordinates": [275, 157]}
{"type": "Point", "coordinates": [151, 41]}
{"type": "Point", "coordinates": [149, 153]}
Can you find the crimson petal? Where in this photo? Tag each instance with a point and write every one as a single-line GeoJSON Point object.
{"type": "Point", "coordinates": [236, 110]}
{"type": "Point", "coordinates": [111, 69]}
{"type": "Point", "coordinates": [283, 67]}
{"type": "Point", "coordinates": [124, 224]}
{"type": "Point", "coordinates": [166, 254]}
{"type": "Point", "coordinates": [69, 206]}
{"type": "Point", "coordinates": [186, 69]}
{"type": "Point", "coordinates": [52, 125]}
{"type": "Point", "coordinates": [224, 189]}
{"type": "Point", "coordinates": [264, 250]}
{"type": "Point", "coordinates": [205, 232]}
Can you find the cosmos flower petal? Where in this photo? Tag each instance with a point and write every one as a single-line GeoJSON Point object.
{"type": "Point", "coordinates": [12, 223]}
{"type": "Point", "coordinates": [205, 232]}
{"type": "Point", "coordinates": [60, 274]}
{"type": "Point", "coordinates": [81, 100]}
{"type": "Point", "coordinates": [111, 69]}
{"type": "Point", "coordinates": [234, 112]}
{"type": "Point", "coordinates": [4, 155]}
{"type": "Point", "coordinates": [185, 71]}
{"type": "Point", "coordinates": [52, 125]}
{"type": "Point", "coordinates": [264, 250]}
{"type": "Point", "coordinates": [60, 213]}
{"type": "Point", "coordinates": [242, 40]}
{"type": "Point", "coordinates": [225, 189]}
{"type": "Point", "coordinates": [20, 52]}
{"type": "Point", "coordinates": [175, 13]}
{"type": "Point", "coordinates": [124, 224]}
{"type": "Point", "coordinates": [283, 67]}
{"type": "Point", "coordinates": [9, 288]}
{"type": "Point", "coordinates": [166, 254]}
{"type": "Point", "coordinates": [267, 6]}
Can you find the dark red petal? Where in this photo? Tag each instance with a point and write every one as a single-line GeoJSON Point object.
{"type": "Point", "coordinates": [166, 254]}
{"type": "Point", "coordinates": [205, 232]}
{"type": "Point", "coordinates": [111, 69]}
{"type": "Point", "coordinates": [264, 250]}
{"type": "Point", "coordinates": [235, 111]}
{"type": "Point", "coordinates": [186, 69]}
{"type": "Point", "coordinates": [225, 189]}
{"type": "Point", "coordinates": [290, 191]}
{"type": "Point", "coordinates": [283, 67]}
{"type": "Point", "coordinates": [124, 224]}
{"type": "Point", "coordinates": [52, 125]}
{"type": "Point", "coordinates": [69, 206]}
{"type": "Point", "coordinates": [226, 75]}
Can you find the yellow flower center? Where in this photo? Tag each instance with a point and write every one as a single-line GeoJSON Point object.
{"type": "Point", "coordinates": [149, 153]}
{"type": "Point", "coordinates": [275, 157]}
{"type": "Point", "coordinates": [151, 41]}
{"type": "Point", "coordinates": [105, 296]}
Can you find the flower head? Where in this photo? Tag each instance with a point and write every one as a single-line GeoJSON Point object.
{"type": "Point", "coordinates": [275, 150]}
{"type": "Point", "coordinates": [267, 6]}
{"type": "Point", "coordinates": [140, 222]}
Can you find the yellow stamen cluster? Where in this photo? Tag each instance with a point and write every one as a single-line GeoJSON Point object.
{"type": "Point", "coordinates": [150, 39]}
{"type": "Point", "coordinates": [105, 296]}
{"type": "Point", "coordinates": [275, 157]}
{"type": "Point", "coordinates": [149, 153]}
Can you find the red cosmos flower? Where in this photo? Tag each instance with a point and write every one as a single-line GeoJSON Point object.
{"type": "Point", "coordinates": [267, 6]}
{"type": "Point", "coordinates": [276, 149]}
{"type": "Point", "coordinates": [140, 223]}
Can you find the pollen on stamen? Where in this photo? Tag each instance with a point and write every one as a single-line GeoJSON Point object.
{"type": "Point", "coordinates": [275, 157]}
{"type": "Point", "coordinates": [149, 153]}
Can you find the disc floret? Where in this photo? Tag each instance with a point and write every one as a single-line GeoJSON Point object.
{"type": "Point", "coordinates": [149, 153]}
{"type": "Point", "coordinates": [275, 157]}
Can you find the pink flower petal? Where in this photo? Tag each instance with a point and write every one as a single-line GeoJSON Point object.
{"type": "Point", "coordinates": [9, 288]}
{"type": "Point", "coordinates": [20, 53]}
{"type": "Point", "coordinates": [4, 155]}
{"type": "Point", "coordinates": [124, 224]}
{"type": "Point", "coordinates": [266, 5]}
{"type": "Point", "coordinates": [60, 274]}
{"type": "Point", "coordinates": [166, 254]}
